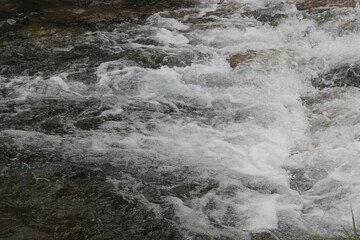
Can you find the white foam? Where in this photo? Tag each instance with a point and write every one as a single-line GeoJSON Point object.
{"type": "Point", "coordinates": [168, 23]}
{"type": "Point", "coordinates": [167, 37]}
{"type": "Point", "coordinates": [245, 128]}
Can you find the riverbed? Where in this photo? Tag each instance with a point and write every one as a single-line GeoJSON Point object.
{"type": "Point", "coordinates": [177, 120]}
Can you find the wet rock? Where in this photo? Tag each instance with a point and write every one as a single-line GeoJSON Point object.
{"type": "Point", "coordinates": [201, 237]}
{"type": "Point", "coordinates": [192, 189]}
{"type": "Point", "coordinates": [4, 41]}
{"type": "Point", "coordinates": [111, 12]}
{"type": "Point", "coordinates": [206, 26]}
{"type": "Point", "coordinates": [80, 60]}
{"type": "Point", "coordinates": [263, 236]}
{"type": "Point", "coordinates": [299, 180]}
{"type": "Point", "coordinates": [87, 14]}
{"type": "Point", "coordinates": [222, 10]}
{"type": "Point", "coordinates": [48, 33]}
{"type": "Point", "coordinates": [56, 126]}
{"type": "Point", "coordinates": [231, 217]}
{"type": "Point", "coordinates": [350, 26]}
{"type": "Point", "coordinates": [11, 21]}
{"type": "Point", "coordinates": [290, 232]}
{"type": "Point", "coordinates": [16, 8]}
{"type": "Point", "coordinates": [8, 149]}
{"type": "Point", "coordinates": [58, 29]}
{"type": "Point", "coordinates": [205, 236]}
{"type": "Point", "coordinates": [225, 8]}
{"type": "Point", "coordinates": [164, 5]}
{"type": "Point", "coordinates": [148, 59]}
{"type": "Point", "coordinates": [346, 76]}
{"type": "Point", "coordinates": [9, 5]}
{"type": "Point", "coordinates": [267, 16]}
{"type": "Point", "coordinates": [181, 60]}
{"type": "Point", "coordinates": [8, 8]}
{"type": "Point", "coordinates": [137, 4]}
{"type": "Point", "coordinates": [261, 56]}
{"type": "Point", "coordinates": [89, 123]}
{"type": "Point", "coordinates": [88, 76]}
{"type": "Point", "coordinates": [180, 14]}
{"type": "Point", "coordinates": [321, 15]}
{"type": "Point", "coordinates": [310, 4]}
{"type": "Point", "coordinates": [26, 58]}
{"type": "Point", "coordinates": [272, 14]}
{"type": "Point", "coordinates": [240, 58]}
{"type": "Point", "coordinates": [161, 4]}
{"type": "Point", "coordinates": [60, 198]}
{"type": "Point", "coordinates": [52, 116]}
{"type": "Point", "coordinates": [83, 207]}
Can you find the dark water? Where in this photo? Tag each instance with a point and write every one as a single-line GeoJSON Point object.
{"type": "Point", "coordinates": [124, 119]}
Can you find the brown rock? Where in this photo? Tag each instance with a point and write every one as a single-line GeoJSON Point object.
{"type": "Point", "coordinates": [311, 4]}
{"type": "Point", "coordinates": [351, 26]}
{"type": "Point", "coordinates": [115, 11]}
{"type": "Point", "coordinates": [239, 58]}
{"type": "Point", "coordinates": [87, 14]}
{"type": "Point", "coordinates": [48, 33]}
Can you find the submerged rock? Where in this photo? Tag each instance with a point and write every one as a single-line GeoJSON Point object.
{"type": "Point", "coordinates": [111, 12]}
{"type": "Point", "coordinates": [240, 58]}
{"type": "Point", "coordinates": [8, 8]}
{"type": "Point", "coordinates": [300, 181]}
{"type": "Point", "coordinates": [87, 13]}
{"type": "Point", "coordinates": [72, 202]}
{"type": "Point", "coordinates": [346, 76]}
{"type": "Point", "coordinates": [4, 41]}
{"type": "Point", "coordinates": [263, 236]}
{"type": "Point", "coordinates": [63, 195]}
{"type": "Point", "coordinates": [48, 33]}
{"type": "Point", "coordinates": [261, 56]}
{"type": "Point", "coordinates": [310, 4]}
{"type": "Point", "coordinates": [11, 8]}
{"type": "Point", "coordinates": [29, 58]}
{"type": "Point", "coordinates": [52, 116]}
{"type": "Point", "coordinates": [222, 10]}
{"type": "Point", "coordinates": [271, 14]}
{"type": "Point", "coordinates": [266, 17]}
{"type": "Point", "coordinates": [350, 26]}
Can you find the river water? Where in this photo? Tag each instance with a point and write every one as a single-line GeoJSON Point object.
{"type": "Point", "coordinates": [238, 118]}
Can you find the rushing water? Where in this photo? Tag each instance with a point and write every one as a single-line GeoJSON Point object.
{"type": "Point", "coordinates": [150, 111]}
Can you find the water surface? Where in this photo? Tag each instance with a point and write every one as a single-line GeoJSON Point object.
{"type": "Point", "coordinates": [169, 120]}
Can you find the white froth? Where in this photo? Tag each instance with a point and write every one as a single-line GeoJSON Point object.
{"type": "Point", "coordinates": [246, 127]}
{"type": "Point", "coordinates": [168, 23]}
{"type": "Point", "coordinates": [167, 37]}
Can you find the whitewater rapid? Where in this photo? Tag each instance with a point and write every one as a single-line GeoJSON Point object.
{"type": "Point", "coordinates": [281, 150]}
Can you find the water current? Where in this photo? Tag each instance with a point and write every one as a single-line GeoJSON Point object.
{"type": "Point", "coordinates": [238, 118]}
